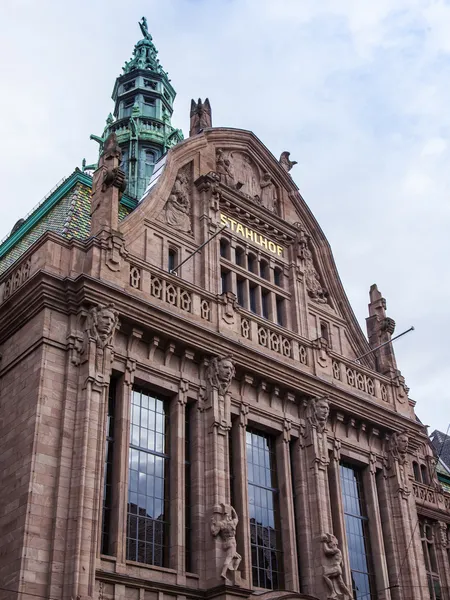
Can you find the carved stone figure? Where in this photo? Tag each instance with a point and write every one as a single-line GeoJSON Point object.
{"type": "Point", "coordinates": [246, 175]}
{"type": "Point", "coordinates": [332, 569]}
{"type": "Point", "coordinates": [224, 167]}
{"type": "Point", "coordinates": [224, 525]}
{"type": "Point", "coordinates": [319, 409]}
{"type": "Point", "coordinates": [201, 116]}
{"type": "Point", "coordinates": [178, 206]}
{"type": "Point", "coordinates": [113, 176]}
{"type": "Point", "coordinates": [398, 446]}
{"type": "Point", "coordinates": [379, 330]}
{"type": "Point", "coordinates": [285, 162]}
{"type": "Point", "coordinates": [102, 324]}
{"type": "Point", "coordinates": [220, 374]}
{"type": "Point", "coordinates": [315, 290]}
{"type": "Point", "coordinates": [268, 195]}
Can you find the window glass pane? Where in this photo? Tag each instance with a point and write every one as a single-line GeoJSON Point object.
{"type": "Point", "coordinates": [240, 257]}
{"type": "Point", "coordinates": [356, 527]}
{"type": "Point", "coordinates": [240, 292]}
{"type": "Point", "coordinates": [265, 304]}
{"type": "Point", "coordinates": [280, 310]}
{"type": "Point", "coordinates": [147, 523]}
{"type": "Point", "coordinates": [263, 512]}
{"type": "Point", "coordinates": [224, 277]}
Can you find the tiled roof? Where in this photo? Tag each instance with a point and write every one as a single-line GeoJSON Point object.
{"type": "Point", "coordinates": [66, 211]}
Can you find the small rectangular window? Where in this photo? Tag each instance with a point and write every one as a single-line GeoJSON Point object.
{"type": "Point", "coordinates": [149, 100]}
{"type": "Point", "coordinates": [129, 102]}
{"type": "Point", "coordinates": [240, 292]}
{"type": "Point", "coordinates": [280, 311]}
{"type": "Point", "coordinates": [265, 303]}
{"type": "Point", "coordinates": [225, 277]}
{"type": "Point", "coordinates": [253, 298]}
{"type": "Point", "coordinates": [129, 86]}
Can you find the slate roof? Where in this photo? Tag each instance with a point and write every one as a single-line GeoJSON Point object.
{"type": "Point", "coordinates": [66, 210]}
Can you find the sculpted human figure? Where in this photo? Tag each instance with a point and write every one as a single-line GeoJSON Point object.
{"type": "Point", "coordinates": [332, 568]}
{"type": "Point", "coordinates": [224, 525]}
{"type": "Point", "coordinates": [267, 192]}
{"type": "Point", "coordinates": [178, 206]}
{"type": "Point", "coordinates": [103, 323]}
{"type": "Point", "coordinates": [224, 167]}
{"type": "Point", "coordinates": [318, 413]}
{"type": "Point", "coordinates": [220, 374]}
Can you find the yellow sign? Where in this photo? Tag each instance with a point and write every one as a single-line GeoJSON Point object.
{"type": "Point", "coordinates": [250, 234]}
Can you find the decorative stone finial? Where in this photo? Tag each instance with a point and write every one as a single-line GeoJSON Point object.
{"type": "Point", "coordinates": [285, 162]}
{"type": "Point", "coordinates": [201, 116]}
{"type": "Point", "coordinates": [223, 524]}
{"type": "Point", "coordinates": [379, 330]}
{"type": "Point", "coordinates": [332, 568]}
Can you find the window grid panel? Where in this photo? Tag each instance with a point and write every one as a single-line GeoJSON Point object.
{"type": "Point", "coordinates": [148, 507]}
{"type": "Point", "coordinates": [356, 527]}
{"type": "Point", "coordinates": [263, 512]}
{"type": "Point", "coordinates": [429, 553]}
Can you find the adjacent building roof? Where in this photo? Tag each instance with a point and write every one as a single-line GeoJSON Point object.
{"type": "Point", "coordinates": [65, 210]}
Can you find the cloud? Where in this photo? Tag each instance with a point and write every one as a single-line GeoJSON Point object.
{"type": "Point", "coordinates": [357, 92]}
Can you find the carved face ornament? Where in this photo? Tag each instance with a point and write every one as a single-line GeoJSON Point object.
{"type": "Point", "coordinates": [105, 322]}
{"type": "Point", "coordinates": [225, 371]}
{"type": "Point", "coordinates": [402, 443]}
{"type": "Point", "coordinates": [321, 409]}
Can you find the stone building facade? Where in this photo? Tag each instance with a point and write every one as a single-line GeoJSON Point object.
{"type": "Point", "coordinates": [219, 429]}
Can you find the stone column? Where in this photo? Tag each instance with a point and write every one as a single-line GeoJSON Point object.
{"type": "Point", "coordinates": [221, 523]}
{"type": "Point", "coordinates": [326, 547]}
{"type": "Point", "coordinates": [442, 548]}
{"type": "Point", "coordinates": [375, 531]}
{"type": "Point", "coordinates": [120, 468]}
{"type": "Point", "coordinates": [412, 578]}
{"type": "Point", "coordinates": [177, 483]}
{"type": "Point", "coordinates": [240, 471]}
{"type": "Point", "coordinates": [85, 491]}
{"type": "Point", "coordinates": [287, 519]}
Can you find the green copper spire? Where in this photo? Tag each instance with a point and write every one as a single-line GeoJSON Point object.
{"type": "Point", "coordinates": [143, 97]}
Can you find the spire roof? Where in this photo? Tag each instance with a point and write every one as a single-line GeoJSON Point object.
{"type": "Point", "coordinates": [145, 54]}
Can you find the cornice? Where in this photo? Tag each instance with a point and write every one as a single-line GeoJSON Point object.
{"type": "Point", "coordinates": [44, 290]}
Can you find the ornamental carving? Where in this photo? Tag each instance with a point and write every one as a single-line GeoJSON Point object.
{"type": "Point", "coordinates": [178, 205]}
{"type": "Point", "coordinates": [220, 374]}
{"type": "Point", "coordinates": [102, 323]}
{"type": "Point", "coordinates": [110, 160]}
{"type": "Point", "coordinates": [223, 525]}
{"type": "Point", "coordinates": [316, 291]}
{"type": "Point", "coordinates": [201, 117]}
{"type": "Point", "coordinates": [268, 194]}
{"type": "Point", "coordinates": [285, 162]}
{"type": "Point", "coordinates": [317, 413]}
{"type": "Point", "coordinates": [224, 167]}
{"type": "Point", "coordinates": [332, 569]}
{"type": "Point", "coordinates": [398, 447]}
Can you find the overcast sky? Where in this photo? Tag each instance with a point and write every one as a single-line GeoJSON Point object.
{"type": "Point", "coordinates": [358, 91]}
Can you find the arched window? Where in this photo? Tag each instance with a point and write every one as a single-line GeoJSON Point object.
{"type": "Point", "coordinates": [172, 259]}
{"type": "Point", "coordinates": [324, 333]}
{"type": "Point", "coordinates": [149, 163]}
{"type": "Point", "coordinates": [224, 248]}
{"type": "Point", "coordinates": [424, 473]}
{"type": "Point", "coordinates": [278, 277]}
{"type": "Point", "coordinates": [416, 471]}
{"type": "Point", "coordinates": [264, 269]}
{"type": "Point", "coordinates": [251, 262]}
{"type": "Point", "coordinates": [240, 256]}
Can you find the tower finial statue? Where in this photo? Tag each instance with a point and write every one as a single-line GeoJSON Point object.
{"type": "Point", "coordinates": [144, 29]}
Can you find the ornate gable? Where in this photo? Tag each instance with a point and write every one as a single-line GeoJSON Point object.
{"type": "Point", "coordinates": [227, 177]}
